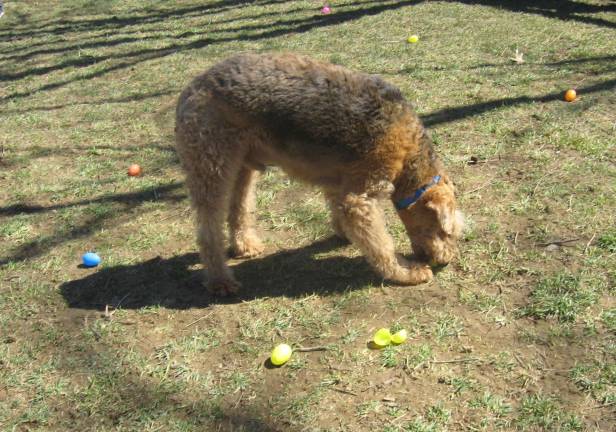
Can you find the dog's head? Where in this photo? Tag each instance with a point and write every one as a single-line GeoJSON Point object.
{"type": "Point", "coordinates": [434, 224]}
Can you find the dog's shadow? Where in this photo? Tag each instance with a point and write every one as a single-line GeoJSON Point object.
{"type": "Point", "coordinates": [175, 283]}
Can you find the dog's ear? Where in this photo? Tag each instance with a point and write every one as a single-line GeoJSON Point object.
{"type": "Point", "coordinates": [441, 201]}
{"type": "Point", "coordinates": [446, 215]}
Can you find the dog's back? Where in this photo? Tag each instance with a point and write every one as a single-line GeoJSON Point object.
{"type": "Point", "coordinates": [295, 95]}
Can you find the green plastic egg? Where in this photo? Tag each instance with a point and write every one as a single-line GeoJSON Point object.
{"type": "Point", "coordinates": [382, 337]}
{"type": "Point", "coordinates": [399, 337]}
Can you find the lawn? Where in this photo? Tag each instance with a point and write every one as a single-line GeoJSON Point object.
{"type": "Point", "coordinates": [519, 333]}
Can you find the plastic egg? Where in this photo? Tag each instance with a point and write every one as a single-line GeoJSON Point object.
{"type": "Point", "coordinates": [90, 259]}
{"type": "Point", "coordinates": [399, 337]}
{"type": "Point", "coordinates": [281, 354]}
{"type": "Point", "coordinates": [413, 39]}
{"type": "Point", "coordinates": [570, 95]}
{"type": "Point", "coordinates": [326, 10]}
{"type": "Point", "coordinates": [134, 170]}
{"type": "Point", "coordinates": [382, 337]}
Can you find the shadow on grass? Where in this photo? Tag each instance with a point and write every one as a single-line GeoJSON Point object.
{"type": "Point", "coordinates": [114, 22]}
{"type": "Point", "coordinates": [566, 10]}
{"type": "Point", "coordinates": [263, 31]}
{"type": "Point", "coordinates": [457, 113]}
{"type": "Point", "coordinates": [158, 193]}
{"type": "Point", "coordinates": [32, 153]}
{"type": "Point", "coordinates": [173, 283]}
{"type": "Point", "coordinates": [121, 100]}
{"type": "Point", "coordinates": [129, 201]}
{"type": "Point", "coordinates": [98, 41]}
{"type": "Point", "coordinates": [606, 61]}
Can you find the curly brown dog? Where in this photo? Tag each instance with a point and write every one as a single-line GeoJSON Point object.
{"type": "Point", "coordinates": [352, 134]}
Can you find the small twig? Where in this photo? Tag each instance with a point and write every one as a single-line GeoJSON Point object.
{"type": "Point", "coordinates": [605, 405]}
{"type": "Point", "coordinates": [397, 419]}
{"type": "Point", "coordinates": [480, 187]}
{"type": "Point", "coordinates": [518, 57]}
{"type": "Point", "coordinates": [519, 360]}
{"type": "Point", "coordinates": [378, 385]}
{"type": "Point", "coordinates": [420, 364]}
{"type": "Point", "coordinates": [558, 242]}
{"type": "Point", "coordinates": [462, 360]}
{"type": "Point", "coordinates": [589, 242]}
{"type": "Point", "coordinates": [108, 315]}
{"type": "Point", "coordinates": [310, 349]}
{"type": "Point", "coordinates": [339, 390]}
{"type": "Point", "coordinates": [476, 161]}
{"type": "Point", "coordinates": [199, 319]}
{"type": "Point", "coordinates": [538, 184]}
{"type": "Point", "coordinates": [174, 214]}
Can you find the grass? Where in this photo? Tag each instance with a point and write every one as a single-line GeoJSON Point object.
{"type": "Point", "coordinates": [608, 241]}
{"type": "Point", "coordinates": [543, 412]}
{"type": "Point", "coordinates": [561, 296]}
{"type": "Point", "coordinates": [517, 334]}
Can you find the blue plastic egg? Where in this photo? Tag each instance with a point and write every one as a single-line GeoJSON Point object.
{"type": "Point", "coordinates": [91, 259]}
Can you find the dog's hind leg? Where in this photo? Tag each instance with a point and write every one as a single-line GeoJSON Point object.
{"type": "Point", "coordinates": [212, 159]}
{"type": "Point", "coordinates": [363, 224]}
{"type": "Point", "coordinates": [336, 215]}
{"type": "Point", "coordinates": [244, 240]}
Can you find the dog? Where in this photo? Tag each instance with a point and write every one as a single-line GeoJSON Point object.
{"type": "Point", "coordinates": [352, 134]}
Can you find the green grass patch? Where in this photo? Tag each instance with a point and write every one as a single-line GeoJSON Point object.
{"type": "Point", "coordinates": [545, 413]}
{"type": "Point", "coordinates": [598, 379]}
{"type": "Point", "coordinates": [607, 241]}
{"type": "Point", "coordinates": [562, 296]}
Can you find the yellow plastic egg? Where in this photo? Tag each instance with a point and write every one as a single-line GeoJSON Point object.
{"type": "Point", "coordinates": [382, 337]}
{"type": "Point", "coordinates": [399, 337]}
{"type": "Point", "coordinates": [413, 39]}
{"type": "Point", "coordinates": [281, 354]}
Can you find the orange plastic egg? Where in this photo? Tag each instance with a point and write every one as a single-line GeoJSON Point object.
{"type": "Point", "coordinates": [570, 95]}
{"type": "Point", "coordinates": [134, 170]}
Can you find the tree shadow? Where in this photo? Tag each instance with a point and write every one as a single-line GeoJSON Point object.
{"type": "Point", "coordinates": [550, 8]}
{"type": "Point", "coordinates": [607, 60]}
{"type": "Point", "coordinates": [114, 22]}
{"type": "Point", "coordinates": [103, 41]}
{"type": "Point", "coordinates": [566, 10]}
{"type": "Point", "coordinates": [259, 32]}
{"type": "Point", "coordinates": [128, 201]}
{"type": "Point", "coordinates": [158, 193]}
{"type": "Point", "coordinates": [457, 113]}
{"type": "Point", "coordinates": [175, 283]}
{"type": "Point", "coordinates": [34, 152]}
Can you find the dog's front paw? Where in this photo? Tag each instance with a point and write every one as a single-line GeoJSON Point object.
{"type": "Point", "coordinates": [247, 247]}
{"type": "Point", "coordinates": [223, 287]}
{"type": "Point", "coordinates": [420, 273]}
{"type": "Point", "coordinates": [411, 272]}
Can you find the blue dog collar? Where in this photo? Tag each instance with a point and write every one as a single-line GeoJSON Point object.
{"type": "Point", "coordinates": [409, 201]}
